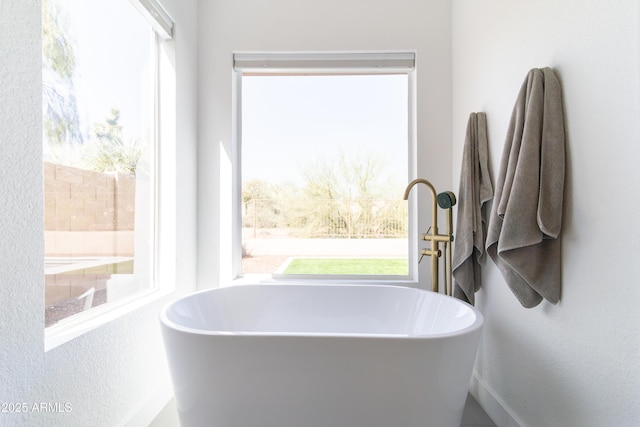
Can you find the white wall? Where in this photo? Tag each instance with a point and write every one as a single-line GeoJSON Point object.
{"type": "Point", "coordinates": [115, 374]}
{"type": "Point", "coordinates": [226, 26]}
{"type": "Point", "coordinates": [575, 363]}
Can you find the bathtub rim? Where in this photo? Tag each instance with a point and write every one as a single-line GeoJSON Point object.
{"type": "Point", "coordinates": [474, 326]}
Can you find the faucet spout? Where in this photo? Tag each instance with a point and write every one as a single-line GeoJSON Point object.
{"type": "Point", "coordinates": [434, 252]}
{"type": "Point", "coordinates": [434, 217]}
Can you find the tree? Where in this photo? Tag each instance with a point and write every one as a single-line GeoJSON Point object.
{"type": "Point", "coordinates": [341, 195]}
{"type": "Point", "coordinates": [61, 120]}
{"type": "Point", "coordinates": [358, 177]}
{"type": "Point", "coordinates": [339, 198]}
{"type": "Point", "coordinates": [105, 150]}
{"type": "Point", "coordinates": [111, 153]}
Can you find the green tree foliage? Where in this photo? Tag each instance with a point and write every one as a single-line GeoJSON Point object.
{"type": "Point", "coordinates": [110, 152]}
{"type": "Point", "coordinates": [105, 149]}
{"type": "Point", "coordinates": [355, 177]}
{"type": "Point", "coordinates": [343, 197]}
{"type": "Point", "coordinates": [61, 120]}
{"type": "Point", "coordinates": [260, 204]}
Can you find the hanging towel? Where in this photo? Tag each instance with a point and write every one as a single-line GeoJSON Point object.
{"type": "Point", "coordinates": [524, 227]}
{"type": "Point", "coordinates": [474, 192]}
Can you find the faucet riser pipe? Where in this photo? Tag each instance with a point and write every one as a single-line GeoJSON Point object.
{"type": "Point", "coordinates": [446, 200]}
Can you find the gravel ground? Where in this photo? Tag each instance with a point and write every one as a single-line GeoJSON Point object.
{"type": "Point", "coordinates": [262, 264]}
{"type": "Point", "coordinates": [62, 310]}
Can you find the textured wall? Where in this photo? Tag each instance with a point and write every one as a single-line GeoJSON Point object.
{"type": "Point", "coordinates": [116, 373]}
{"type": "Point", "coordinates": [21, 233]}
{"type": "Point", "coordinates": [574, 364]}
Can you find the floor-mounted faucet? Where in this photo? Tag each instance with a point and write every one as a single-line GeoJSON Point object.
{"type": "Point", "coordinates": [445, 200]}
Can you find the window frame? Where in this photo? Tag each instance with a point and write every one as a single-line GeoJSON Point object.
{"type": "Point", "coordinates": [163, 195]}
{"type": "Point", "coordinates": [321, 63]}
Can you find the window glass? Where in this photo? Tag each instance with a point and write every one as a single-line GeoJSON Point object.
{"type": "Point", "coordinates": [324, 163]}
{"type": "Point", "coordinates": [99, 155]}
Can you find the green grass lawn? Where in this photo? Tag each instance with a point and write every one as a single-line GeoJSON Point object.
{"type": "Point", "coordinates": [372, 266]}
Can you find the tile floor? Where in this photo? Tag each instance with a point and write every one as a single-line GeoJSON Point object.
{"type": "Point", "coordinates": [474, 416]}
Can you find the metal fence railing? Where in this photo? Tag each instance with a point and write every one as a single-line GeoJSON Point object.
{"type": "Point", "coordinates": [325, 218]}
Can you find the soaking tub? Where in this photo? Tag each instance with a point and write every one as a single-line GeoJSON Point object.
{"type": "Point", "coordinates": [320, 355]}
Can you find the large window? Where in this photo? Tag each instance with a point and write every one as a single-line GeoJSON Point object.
{"type": "Point", "coordinates": [100, 89]}
{"type": "Point", "coordinates": [324, 155]}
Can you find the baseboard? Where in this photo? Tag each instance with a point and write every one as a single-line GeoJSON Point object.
{"type": "Point", "coordinates": [495, 407]}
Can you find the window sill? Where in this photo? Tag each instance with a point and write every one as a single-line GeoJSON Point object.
{"type": "Point", "coordinates": [323, 279]}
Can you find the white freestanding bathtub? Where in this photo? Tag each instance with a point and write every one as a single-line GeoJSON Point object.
{"type": "Point", "coordinates": [320, 356]}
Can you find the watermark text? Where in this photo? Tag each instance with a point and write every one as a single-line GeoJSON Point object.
{"type": "Point", "coordinates": [31, 407]}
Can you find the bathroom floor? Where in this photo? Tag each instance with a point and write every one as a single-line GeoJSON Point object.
{"type": "Point", "coordinates": [474, 416]}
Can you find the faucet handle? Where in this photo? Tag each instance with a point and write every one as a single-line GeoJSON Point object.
{"type": "Point", "coordinates": [424, 235]}
{"type": "Point", "coordinates": [437, 253]}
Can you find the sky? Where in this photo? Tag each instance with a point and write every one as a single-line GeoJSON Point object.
{"type": "Point", "coordinates": [290, 121]}
{"type": "Point", "coordinates": [111, 39]}
{"type": "Point", "coordinates": [287, 121]}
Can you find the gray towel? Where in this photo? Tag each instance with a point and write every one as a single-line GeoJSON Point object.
{"type": "Point", "coordinates": [526, 218]}
{"type": "Point", "coordinates": [474, 192]}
